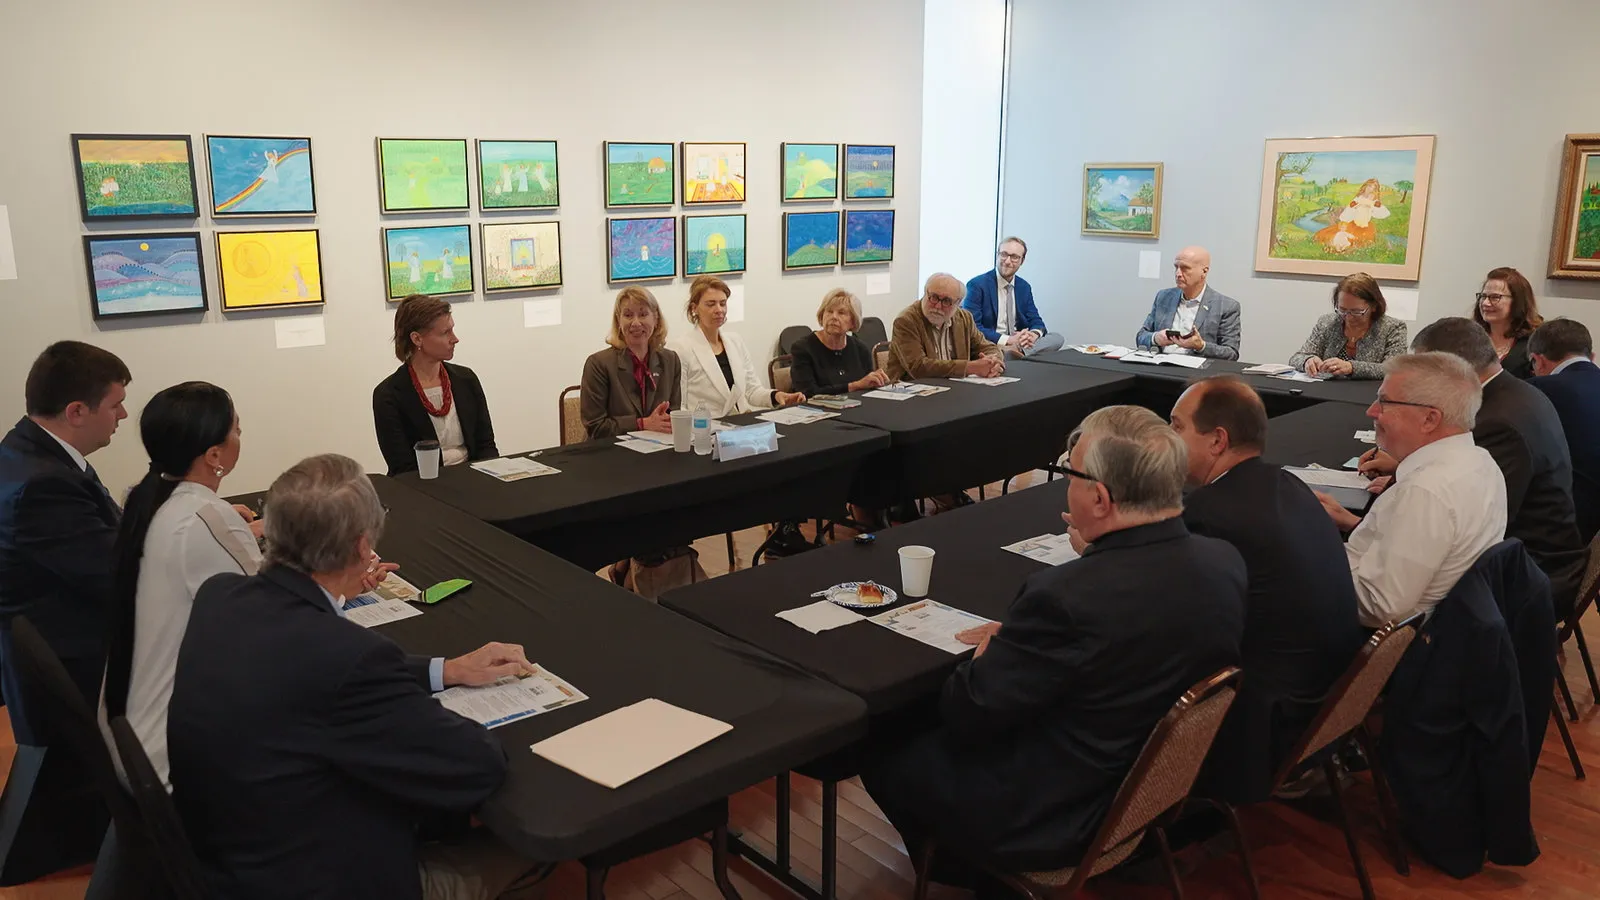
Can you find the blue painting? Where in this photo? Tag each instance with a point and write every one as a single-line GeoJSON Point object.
{"type": "Point", "coordinates": [713, 244]}
{"type": "Point", "coordinates": [261, 176]}
{"type": "Point", "coordinates": [810, 240]}
{"type": "Point", "coordinates": [642, 248]}
{"type": "Point", "coordinates": [145, 274]}
{"type": "Point", "coordinates": [434, 260]}
{"type": "Point", "coordinates": [868, 171]}
{"type": "Point", "coordinates": [868, 236]}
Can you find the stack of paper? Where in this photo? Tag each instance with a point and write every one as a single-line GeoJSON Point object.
{"type": "Point", "coordinates": [1368, 437]}
{"type": "Point", "coordinates": [383, 604]}
{"type": "Point", "coordinates": [907, 389]}
{"type": "Point", "coordinates": [1269, 369]}
{"type": "Point", "coordinates": [1050, 549]}
{"type": "Point", "coordinates": [1301, 377]}
{"type": "Point", "coordinates": [1320, 477]}
{"type": "Point", "coordinates": [931, 623]}
{"type": "Point", "coordinates": [645, 441]}
{"type": "Point", "coordinates": [796, 415]}
{"type": "Point", "coordinates": [820, 616]}
{"type": "Point", "coordinates": [622, 745]}
{"type": "Point", "coordinates": [1186, 360]}
{"type": "Point", "coordinates": [511, 698]}
{"type": "Point", "coordinates": [833, 401]}
{"type": "Point", "coordinates": [991, 381]}
{"type": "Point", "coordinates": [514, 468]}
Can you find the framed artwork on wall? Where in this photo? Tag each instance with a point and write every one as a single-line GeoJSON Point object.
{"type": "Point", "coordinates": [144, 274]}
{"type": "Point", "coordinates": [810, 240]}
{"type": "Point", "coordinates": [1575, 248]}
{"type": "Point", "coordinates": [1122, 199]}
{"type": "Point", "coordinates": [713, 173]}
{"type": "Point", "coordinates": [260, 176]}
{"type": "Point", "coordinates": [432, 259]}
{"type": "Point", "coordinates": [810, 171]}
{"type": "Point", "coordinates": [641, 249]}
{"type": "Point", "coordinates": [269, 269]}
{"type": "Point", "coordinates": [638, 174]}
{"type": "Point", "coordinates": [1336, 206]}
{"type": "Point", "coordinates": [422, 175]}
{"type": "Point", "coordinates": [518, 175]}
{"type": "Point", "coordinates": [521, 255]}
{"type": "Point", "coordinates": [135, 176]}
{"type": "Point", "coordinates": [868, 171]}
{"type": "Point", "coordinates": [868, 236]}
{"type": "Point", "coordinates": [713, 244]}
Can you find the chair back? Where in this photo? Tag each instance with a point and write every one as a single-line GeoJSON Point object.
{"type": "Point", "coordinates": [570, 422]}
{"type": "Point", "coordinates": [880, 355]}
{"type": "Point", "coordinates": [872, 331]}
{"type": "Point", "coordinates": [778, 373]}
{"type": "Point", "coordinates": [162, 825]}
{"type": "Point", "coordinates": [789, 335]}
{"type": "Point", "coordinates": [1588, 589]}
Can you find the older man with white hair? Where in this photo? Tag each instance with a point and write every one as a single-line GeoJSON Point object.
{"type": "Point", "coordinates": [1191, 317]}
{"type": "Point", "coordinates": [936, 338]}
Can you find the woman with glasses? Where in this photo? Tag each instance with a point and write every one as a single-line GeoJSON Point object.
{"type": "Point", "coordinates": [1506, 309]}
{"type": "Point", "coordinates": [1354, 339]}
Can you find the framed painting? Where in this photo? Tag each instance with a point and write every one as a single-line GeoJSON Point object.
{"type": "Point", "coordinates": [810, 240]}
{"type": "Point", "coordinates": [868, 171]}
{"type": "Point", "coordinates": [432, 259]}
{"type": "Point", "coordinates": [713, 173]}
{"type": "Point", "coordinates": [868, 236]}
{"type": "Point", "coordinates": [520, 255]}
{"type": "Point", "coordinates": [260, 176]}
{"type": "Point", "coordinates": [1122, 199]}
{"type": "Point", "coordinates": [1336, 206]}
{"type": "Point", "coordinates": [1575, 248]}
{"type": "Point", "coordinates": [422, 175]}
{"type": "Point", "coordinates": [641, 249]}
{"type": "Point", "coordinates": [713, 244]}
{"type": "Point", "coordinates": [518, 175]}
{"type": "Point", "coordinates": [145, 274]}
{"type": "Point", "coordinates": [135, 176]}
{"type": "Point", "coordinates": [269, 269]}
{"type": "Point", "coordinates": [810, 171]}
{"type": "Point", "coordinates": [638, 174]}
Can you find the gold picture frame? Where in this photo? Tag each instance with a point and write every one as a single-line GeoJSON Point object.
{"type": "Point", "coordinates": [1122, 199]}
{"type": "Point", "coordinates": [1575, 245]}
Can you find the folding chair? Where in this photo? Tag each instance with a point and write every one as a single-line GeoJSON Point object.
{"type": "Point", "coordinates": [165, 829]}
{"type": "Point", "coordinates": [569, 418]}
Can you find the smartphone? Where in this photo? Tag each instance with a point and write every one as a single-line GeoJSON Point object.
{"type": "Point", "coordinates": [866, 539]}
{"type": "Point", "coordinates": [1175, 334]}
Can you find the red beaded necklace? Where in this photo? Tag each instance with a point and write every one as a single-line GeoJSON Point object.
{"type": "Point", "coordinates": [443, 408]}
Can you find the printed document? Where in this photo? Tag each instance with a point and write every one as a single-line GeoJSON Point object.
{"type": "Point", "coordinates": [511, 698]}
{"type": "Point", "coordinates": [931, 623]}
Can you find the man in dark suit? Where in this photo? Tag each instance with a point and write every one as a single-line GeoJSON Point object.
{"type": "Point", "coordinates": [1040, 727]}
{"type": "Point", "coordinates": [1563, 360]}
{"type": "Point", "coordinates": [306, 749]}
{"type": "Point", "coordinates": [1191, 317]}
{"type": "Point", "coordinates": [1002, 305]}
{"type": "Point", "coordinates": [1301, 630]}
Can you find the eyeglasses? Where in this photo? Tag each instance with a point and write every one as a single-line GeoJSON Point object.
{"type": "Point", "coordinates": [937, 300]}
{"type": "Point", "coordinates": [1361, 313]}
{"type": "Point", "coordinates": [1013, 257]}
{"type": "Point", "coordinates": [1492, 298]}
{"type": "Point", "coordinates": [1072, 442]}
{"type": "Point", "coordinates": [1384, 402]}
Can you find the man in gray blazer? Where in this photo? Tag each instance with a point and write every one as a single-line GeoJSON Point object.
{"type": "Point", "coordinates": [1207, 322]}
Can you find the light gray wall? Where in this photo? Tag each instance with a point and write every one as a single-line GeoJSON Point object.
{"type": "Point", "coordinates": [1201, 86]}
{"type": "Point", "coordinates": [346, 72]}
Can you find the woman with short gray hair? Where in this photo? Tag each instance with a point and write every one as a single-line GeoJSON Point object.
{"type": "Point", "coordinates": [832, 360]}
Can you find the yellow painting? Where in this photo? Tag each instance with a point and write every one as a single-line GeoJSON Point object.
{"type": "Point", "coordinates": [269, 269]}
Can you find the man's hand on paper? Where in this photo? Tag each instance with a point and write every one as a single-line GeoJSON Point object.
{"type": "Point", "coordinates": [486, 665]}
{"type": "Point", "coordinates": [978, 636]}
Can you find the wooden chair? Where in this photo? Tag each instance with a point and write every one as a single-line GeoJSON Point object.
{"type": "Point", "coordinates": [1155, 787]}
{"type": "Point", "coordinates": [778, 373]}
{"type": "Point", "coordinates": [569, 418]}
{"type": "Point", "coordinates": [880, 355]}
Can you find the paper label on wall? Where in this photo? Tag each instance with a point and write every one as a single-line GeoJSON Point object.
{"type": "Point", "coordinates": [877, 284]}
{"type": "Point", "coordinates": [1149, 263]}
{"type": "Point", "coordinates": [1403, 302]}
{"type": "Point", "coordinates": [541, 312]}
{"type": "Point", "coordinates": [735, 303]}
{"type": "Point", "coordinates": [8, 255]}
{"type": "Point", "coordinates": [300, 331]}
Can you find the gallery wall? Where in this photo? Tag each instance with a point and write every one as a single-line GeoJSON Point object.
{"type": "Point", "coordinates": [345, 73]}
{"type": "Point", "coordinates": [1200, 87]}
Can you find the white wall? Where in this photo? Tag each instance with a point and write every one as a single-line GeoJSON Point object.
{"type": "Point", "coordinates": [1201, 86]}
{"type": "Point", "coordinates": [345, 73]}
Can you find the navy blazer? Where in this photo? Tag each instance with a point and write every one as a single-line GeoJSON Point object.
{"type": "Point", "coordinates": [983, 301]}
{"type": "Point", "coordinates": [1575, 393]}
{"type": "Point", "coordinates": [306, 749]}
{"type": "Point", "coordinates": [1218, 322]}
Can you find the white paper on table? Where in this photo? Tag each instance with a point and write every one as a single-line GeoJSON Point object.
{"type": "Point", "coordinates": [1050, 549]}
{"type": "Point", "coordinates": [1316, 475]}
{"type": "Point", "coordinates": [931, 623]}
{"type": "Point", "coordinates": [1268, 369]}
{"type": "Point", "coordinates": [393, 587]}
{"type": "Point", "coordinates": [1403, 302]}
{"type": "Point", "coordinates": [511, 698]}
{"type": "Point", "coordinates": [1149, 263]}
{"type": "Point", "coordinates": [300, 331]}
{"type": "Point", "coordinates": [992, 381]}
{"type": "Point", "coordinates": [542, 312]}
{"type": "Point", "coordinates": [914, 389]}
{"type": "Point", "coordinates": [1165, 359]}
{"type": "Point", "coordinates": [514, 468]}
{"type": "Point", "coordinates": [820, 616]}
{"type": "Point", "coordinates": [384, 604]}
{"type": "Point", "coordinates": [877, 284]}
{"type": "Point", "coordinates": [881, 394]}
{"type": "Point", "coordinates": [796, 415]}
{"type": "Point", "coordinates": [639, 446]}
{"type": "Point", "coordinates": [735, 303]}
{"type": "Point", "coordinates": [1300, 376]}
{"type": "Point", "coordinates": [1369, 436]}
{"type": "Point", "coordinates": [654, 437]}
{"type": "Point", "coordinates": [621, 745]}
{"type": "Point", "coordinates": [8, 253]}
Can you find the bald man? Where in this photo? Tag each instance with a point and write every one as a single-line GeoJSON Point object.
{"type": "Point", "coordinates": [1192, 318]}
{"type": "Point", "coordinates": [936, 338]}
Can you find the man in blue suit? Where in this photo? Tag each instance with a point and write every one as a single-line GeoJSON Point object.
{"type": "Point", "coordinates": [1563, 361]}
{"type": "Point", "coordinates": [1002, 305]}
{"type": "Point", "coordinates": [1192, 318]}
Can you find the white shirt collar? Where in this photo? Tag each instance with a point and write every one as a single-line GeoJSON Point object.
{"type": "Point", "coordinates": [335, 602]}
{"type": "Point", "coordinates": [1197, 297]}
{"type": "Point", "coordinates": [83, 464]}
{"type": "Point", "coordinates": [1430, 453]}
{"type": "Point", "coordinates": [1004, 281]}
{"type": "Point", "coordinates": [1569, 361]}
{"type": "Point", "coordinates": [1493, 377]}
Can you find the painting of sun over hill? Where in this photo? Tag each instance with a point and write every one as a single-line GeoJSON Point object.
{"type": "Point", "coordinates": [810, 172]}
{"type": "Point", "coordinates": [639, 174]}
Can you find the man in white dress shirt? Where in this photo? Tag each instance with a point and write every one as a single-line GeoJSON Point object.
{"type": "Point", "coordinates": [1448, 502]}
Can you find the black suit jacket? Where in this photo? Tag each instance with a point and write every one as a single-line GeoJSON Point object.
{"type": "Point", "coordinates": [305, 749]}
{"type": "Point", "coordinates": [1575, 393]}
{"type": "Point", "coordinates": [1521, 430]}
{"type": "Point", "coordinates": [1301, 629]}
{"type": "Point", "coordinates": [401, 421]}
{"type": "Point", "coordinates": [1517, 361]}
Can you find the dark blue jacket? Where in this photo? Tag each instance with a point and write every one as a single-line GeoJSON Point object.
{"type": "Point", "coordinates": [983, 301]}
{"type": "Point", "coordinates": [1575, 393]}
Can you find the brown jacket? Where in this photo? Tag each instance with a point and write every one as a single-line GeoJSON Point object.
{"type": "Point", "coordinates": [609, 402]}
{"type": "Point", "coordinates": [914, 345]}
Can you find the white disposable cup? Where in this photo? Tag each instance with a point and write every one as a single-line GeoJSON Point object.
{"type": "Point", "coordinates": [682, 429]}
{"type": "Point", "coordinates": [916, 568]}
{"type": "Point", "coordinates": [427, 459]}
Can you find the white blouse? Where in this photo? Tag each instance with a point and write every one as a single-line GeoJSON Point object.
{"type": "Point", "coordinates": [452, 442]}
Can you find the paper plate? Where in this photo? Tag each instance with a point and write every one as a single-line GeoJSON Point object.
{"type": "Point", "coordinates": [848, 594]}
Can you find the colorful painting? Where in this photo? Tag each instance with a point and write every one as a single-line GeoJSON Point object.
{"type": "Point", "coordinates": [713, 173]}
{"type": "Point", "coordinates": [518, 175]}
{"type": "Point", "coordinates": [868, 236]}
{"type": "Point", "coordinates": [639, 174]}
{"type": "Point", "coordinates": [128, 176]}
{"type": "Point", "coordinates": [1575, 248]}
{"type": "Point", "coordinates": [521, 255]}
{"type": "Point", "coordinates": [640, 249]}
{"type": "Point", "coordinates": [810, 172]}
{"type": "Point", "coordinates": [260, 176]}
{"type": "Point", "coordinates": [1336, 206]}
{"type": "Point", "coordinates": [810, 240]}
{"type": "Point", "coordinates": [145, 274]}
{"type": "Point", "coordinates": [269, 269]}
{"type": "Point", "coordinates": [713, 244]}
{"type": "Point", "coordinates": [1122, 199]}
{"type": "Point", "coordinates": [433, 259]}
{"type": "Point", "coordinates": [422, 175]}
{"type": "Point", "coordinates": [868, 171]}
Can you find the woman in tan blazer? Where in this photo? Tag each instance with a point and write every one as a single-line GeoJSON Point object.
{"type": "Point", "coordinates": [632, 384]}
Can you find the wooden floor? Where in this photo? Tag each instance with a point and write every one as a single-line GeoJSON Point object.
{"type": "Point", "coordinates": [1299, 851]}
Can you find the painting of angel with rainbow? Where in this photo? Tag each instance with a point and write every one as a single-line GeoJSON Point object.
{"type": "Point", "coordinates": [261, 176]}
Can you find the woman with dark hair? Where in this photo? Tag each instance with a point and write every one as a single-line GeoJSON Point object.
{"type": "Point", "coordinates": [1354, 339]}
{"type": "Point", "coordinates": [1507, 310]}
{"type": "Point", "coordinates": [427, 398]}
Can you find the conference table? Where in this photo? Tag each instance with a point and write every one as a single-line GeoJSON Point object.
{"type": "Point", "coordinates": [1166, 381]}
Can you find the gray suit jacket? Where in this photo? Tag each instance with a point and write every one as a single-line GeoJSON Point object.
{"type": "Point", "coordinates": [1217, 322]}
{"type": "Point", "coordinates": [609, 401]}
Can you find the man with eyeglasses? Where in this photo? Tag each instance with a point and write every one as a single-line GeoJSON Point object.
{"type": "Point", "coordinates": [1189, 317]}
{"type": "Point", "coordinates": [1002, 305]}
{"type": "Point", "coordinates": [936, 338]}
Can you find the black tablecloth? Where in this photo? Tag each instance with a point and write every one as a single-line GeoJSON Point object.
{"type": "Point", "coordinates": [887, 670]}
{"type": "Point", "coordinates": [609, 502]}
{"type": "Point", "coordinates": [1324, 434]}
{"type": "Point", "coordinates": [1281, 396]}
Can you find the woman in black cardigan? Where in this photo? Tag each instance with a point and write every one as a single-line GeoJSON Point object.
{"type": "Point", "coordinates": [427, 398]}
{"type": "Point", "coordinates": [831, 360]}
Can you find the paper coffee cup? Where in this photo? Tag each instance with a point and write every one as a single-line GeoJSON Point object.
{"type": "Point", "coordinates": [427, 459]}
{"type": "Point", "coordinates": [916, 568]}
{"type": "Point", "coordinates": [682, 430]}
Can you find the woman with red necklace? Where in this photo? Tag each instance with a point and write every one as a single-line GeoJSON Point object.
{"type": "Point", "coordinates": [427, 398]}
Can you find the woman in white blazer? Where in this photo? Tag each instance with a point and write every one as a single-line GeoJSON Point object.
{"type": "Point", "coordinates": [717, 366]}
